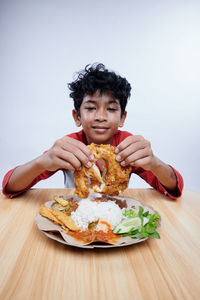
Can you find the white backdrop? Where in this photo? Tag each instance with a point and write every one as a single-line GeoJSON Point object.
{"type": "Point", "coordinates": [154, 44]}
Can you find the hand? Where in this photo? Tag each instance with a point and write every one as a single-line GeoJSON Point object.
{"type": "Point", "coordinates": [66, 153]}
{"type": "Point", "coordinates": [135, 151]}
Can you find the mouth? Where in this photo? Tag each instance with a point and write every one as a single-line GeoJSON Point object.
{"type": "Point", "coordinates": [100, 128]}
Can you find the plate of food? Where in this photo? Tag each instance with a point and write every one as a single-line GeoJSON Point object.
{"type": "Point", "coordinates": [96, 216]}
{"type": "Point", "coordinates": [98, 221]}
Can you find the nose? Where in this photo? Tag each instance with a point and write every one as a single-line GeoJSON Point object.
{"type": "Point", "coordinates": [101, 115]}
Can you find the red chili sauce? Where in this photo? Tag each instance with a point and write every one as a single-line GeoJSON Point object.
{"type": "Point", "coordinates": [89, 236]}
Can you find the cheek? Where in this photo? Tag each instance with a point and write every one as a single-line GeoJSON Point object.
{"type": "Point", "coordinates": [86, 121]}
{"type": "Point", "coordinates": [86, 118]}
{"type": "Point", "coordinates": [115, 120]}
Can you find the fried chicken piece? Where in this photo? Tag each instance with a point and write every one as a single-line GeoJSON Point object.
{"type": "Point", "coordinates": [114, 178]}
{"type": "Point", "coordinates": [81, 183]}
{"type": "Point", "coordinates": [59, 218]}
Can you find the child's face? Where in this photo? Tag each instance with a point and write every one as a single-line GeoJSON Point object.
{"type": "Point", "coordinates": [100, 117]}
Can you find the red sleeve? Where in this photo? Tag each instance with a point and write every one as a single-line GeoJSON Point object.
{"type": "Point", "coordinates": [148, 176]}
{"type": "Point", "coordinates": [119, 137]}
{"type": "Point", "coordinates": [80, 136]}
{"type": "Point", "coordinates": [152, 180]}
{"type": "Point", "coordinates": [44, 175]}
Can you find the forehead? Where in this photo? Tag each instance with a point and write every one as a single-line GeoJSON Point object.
{"type": "Point", "coordinates": [100, 98]}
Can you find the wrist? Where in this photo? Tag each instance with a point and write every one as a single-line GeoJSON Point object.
{"type": "Point", "coordinates": [40, 164]}
{"type": "Point", "coordinates": [155, 165]}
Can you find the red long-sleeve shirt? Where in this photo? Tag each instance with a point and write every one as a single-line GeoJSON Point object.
{"type": "Point", "coordinates": [148, 176]}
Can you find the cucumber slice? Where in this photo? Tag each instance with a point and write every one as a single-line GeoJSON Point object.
{"type": "Point", "coordinates": [127, 224]}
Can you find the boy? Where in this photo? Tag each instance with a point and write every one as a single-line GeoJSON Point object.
{"type": "Point", "coordinates": [100, 97]}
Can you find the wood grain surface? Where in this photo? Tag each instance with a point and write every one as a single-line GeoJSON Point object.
{"type": "Point", "coordinates": [32, 266]}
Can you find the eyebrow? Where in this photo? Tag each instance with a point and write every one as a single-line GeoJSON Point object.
{"type": "Point", "coordinates": [90, 101]}
{"type": "Point", "coordinates": [114, 101]}
{"type": "Point", "coordinates": [109, 102]}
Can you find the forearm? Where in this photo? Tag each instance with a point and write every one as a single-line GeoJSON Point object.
{"type": "Point", "coordinates": [23, 175]}
{"type": "Point", "coordinates": [164, 174]}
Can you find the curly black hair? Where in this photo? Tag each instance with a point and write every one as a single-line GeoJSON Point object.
{"type": "Point", "coordinates": [96, 77]}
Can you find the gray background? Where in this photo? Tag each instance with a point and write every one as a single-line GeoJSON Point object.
{"type": "Point", "coordinates": [154, 44]}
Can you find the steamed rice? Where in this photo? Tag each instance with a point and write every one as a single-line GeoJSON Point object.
{"type": "Point", "coordinates": [90, 211]}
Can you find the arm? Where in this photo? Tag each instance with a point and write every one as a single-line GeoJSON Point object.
{"type": "Point", "coordinates": [66, 153]}
{"type": "Point", "coordinates": [137, 152]}
{"type": "Point", "coordinates": [24, 177]}
{"type": "Point", "coordinates": [164, 173]}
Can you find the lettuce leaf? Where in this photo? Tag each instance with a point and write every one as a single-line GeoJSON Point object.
{"type": "Point", "coordinates": [148, 228]}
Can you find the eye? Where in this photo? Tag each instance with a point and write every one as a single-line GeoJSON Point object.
{"type": "Point", "coordinates": [90, 108]}
{"type": "Point", "coordinates": [112, 109]}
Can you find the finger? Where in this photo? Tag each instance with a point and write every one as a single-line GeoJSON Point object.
{"type": "Point", "coordinates": [131, 149]}
{"type": "Point", "coordinates": [69, 158]}
{"type": "Point", "coordinates": [130, 160]}
{"type": "Point", "coordinates": [77, 148]}
{"type": "Point", "coordinates": [143, 162]}
{"type": "Point", "coordinates": [62, 164]}
{"type": "Point", "coordinates": [75, 161]}
{"type": "Point", "coordinates": [71, 144]}
{"type": "Point", "coordinates": [127, 142]}
{"type": "Point", "coordinates": [80, 156]}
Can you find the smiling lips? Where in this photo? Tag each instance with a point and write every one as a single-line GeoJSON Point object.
{"type": "Point", "coordinates": [100, 128]}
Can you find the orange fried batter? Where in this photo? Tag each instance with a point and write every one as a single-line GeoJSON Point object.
{"type": "Point", "coordinates": [47, 213]}
{"type": "Point", "coordinates": [59, 218]}
{"type": "Point", "coordinates": [114, 178]}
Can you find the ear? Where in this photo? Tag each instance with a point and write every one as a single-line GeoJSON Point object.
{"type": "Point", "coordinates": [76, 117]}
{"type": "Point", "coordinates": [123, 118]}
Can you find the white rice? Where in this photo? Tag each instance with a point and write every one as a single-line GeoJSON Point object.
{"type": "Point", "coordinates": [90, 211]}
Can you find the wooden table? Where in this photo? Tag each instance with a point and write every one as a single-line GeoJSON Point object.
{"type": "Point", "coordinates": [32, 266]}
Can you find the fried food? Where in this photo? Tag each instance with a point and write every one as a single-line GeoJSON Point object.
{"type": "Point", "coordinates": [47, 213]}
{"type": "Point", "coordinates": [59, 218]}
{"type": "Point", "coordinates": [61, 201]}
{"type": "Point", "coordinates": [65, 220]}
{"type": "Point", "coordinates": [66, 206]}
{"type": "Point", "coordinates": [114, 177]}
{"type": "Point", "coordinates": [81, 183]}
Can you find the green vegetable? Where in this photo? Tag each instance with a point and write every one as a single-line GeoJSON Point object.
{"type": "Point", "coordinates": [130, 213]}
{"type": "Point", "coordinates": [127, 225]}
{"type": "Point", "coordinates": [139, 225]}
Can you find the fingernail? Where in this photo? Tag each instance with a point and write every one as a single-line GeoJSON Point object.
{"type": "Point", "coordinates": [89, 164]}
{"type": "Point", "coordinates": [123, 163]}
{"type": "Point", "coordinates": [116, 150]}
{"type": "Point", "coordinates": [92, 157]}
{"type": "Point", "coordinates": [118, 157]}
